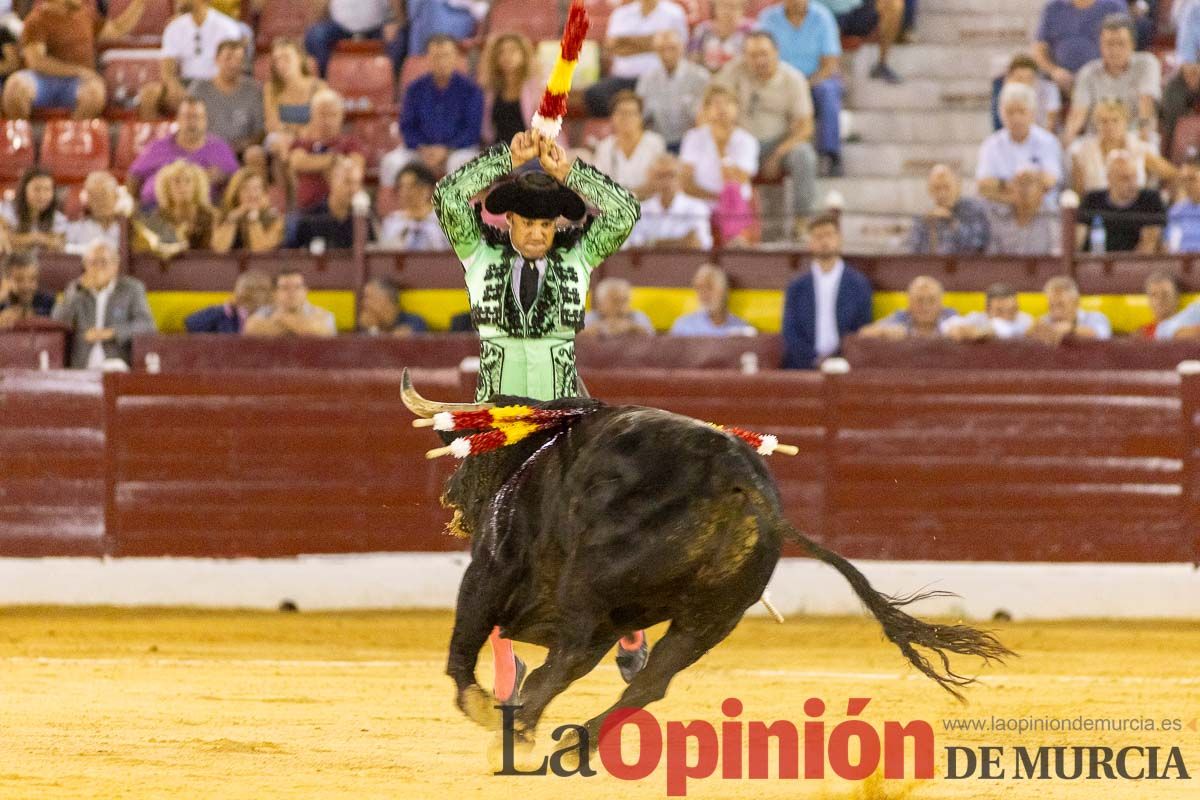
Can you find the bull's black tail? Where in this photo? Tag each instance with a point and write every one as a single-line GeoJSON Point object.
{"type": "Point", "coordinates": [908, 632]}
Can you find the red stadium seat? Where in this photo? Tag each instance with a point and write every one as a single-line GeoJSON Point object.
{"type": "Point", "coordinates": [366, 82]}
{"type": "Point", "coordinates": [379, 134]}
{"type": "Point", "coordinates": [72, 148]}
{"type": "Point", "coordinates": [1186, 140]}
{"type": "Point", "coordinates": [414, 67]}
{"type": "Point", "coordinates": [283, 19]}
{"type": "Point", "coordinates": [148, 31]}
{"type": "Point", "coordinates": [124, 76]}
{"type": "Point", "coordinates": [536, 19]}
{"type": "Point", "coordinates": [72, 201]}
{"type": "Point", "coordinates": [16, 149]}
{"type": "Point", "coordinates": [385, 201]}
{"type": "Point", "coordinates": [598, 13]}
{"type": "Point", "coordinates": [132, 138]}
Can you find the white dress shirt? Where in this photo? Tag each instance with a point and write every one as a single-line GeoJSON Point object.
{"type": "Point", "coordinates": [684, 215]}
{"type": "Point", "coordinates": [518, 263]}
{"type": "Point", "coordinates": [826, 286]}
{"type": "Point", "coordinates": [96, 354]}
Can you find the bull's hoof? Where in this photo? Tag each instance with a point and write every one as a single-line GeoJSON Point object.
{"type": "Point", "coordinates": [479, 706]}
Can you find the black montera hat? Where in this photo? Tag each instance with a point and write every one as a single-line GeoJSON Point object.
{"type": "Point", "coordinates": [535, 195]}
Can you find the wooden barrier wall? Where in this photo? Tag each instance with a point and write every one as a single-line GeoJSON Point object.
{"type": "Point", "coordinates": [1118, 273]}
{"type": "Point", "coordinates": [921, 465]}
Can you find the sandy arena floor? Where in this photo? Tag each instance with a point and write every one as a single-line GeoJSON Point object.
{"type": "Point", "coordinates": [103, 703]}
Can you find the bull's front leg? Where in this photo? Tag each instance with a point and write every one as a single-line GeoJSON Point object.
{"type": "Point", "coordinates": [475, 616]}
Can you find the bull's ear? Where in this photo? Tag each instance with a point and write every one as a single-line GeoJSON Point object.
{"type": "Point", "coordinates": [427, 408]}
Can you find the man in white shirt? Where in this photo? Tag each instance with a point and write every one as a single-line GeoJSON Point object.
{"type": "Point", "coordinates": [189, 46]}
{"type": "Point", "coordinates": [413, 225]}
{"type": "Point", "coordinates": [1020, 146]}
{"type": "Point", "coordinates": [630, 41]}
{"type": "Point", "coordinates": [104, 311]}
{"type": "Point", "coordinates": [671, 218]}
{"type": "Point", "coordinates": [1002, 319]}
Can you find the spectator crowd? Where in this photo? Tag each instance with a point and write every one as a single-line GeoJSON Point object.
{"type": "Point", "coordinates": [246, 140]}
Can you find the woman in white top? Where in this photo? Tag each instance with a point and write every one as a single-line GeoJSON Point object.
{"type": "Point", "coordinates": [1089, 154]}
{"type": "Point", "coordinates": [718, 152]}
{"type": "Point", "coordinates": [627, 154]}
{"type": "Point", "coordinates": [32, 218]}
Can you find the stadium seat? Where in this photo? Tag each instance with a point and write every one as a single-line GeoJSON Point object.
{"type": "Point", "coordinates": [366, 82]}
{"type": "Point", "coordinates": [132, 138]}
{"type": "Point", "coordinates": [283, 19]}
{"type": "Point", "coordinates": [385, 201]}
{"type": "Point", "coordinates": [124, 75]}
{"type": "Point", "coordinates": [72, 201]}
{"type": "Point", "coordinates": [16, 149]}
{"type": "Point", "coordinates": [72, 148]}
{"type": "Point", "coordinates": [598, 13]}
{"type": "Point", "coordinates": [379, 134]}
{"type": "Point", "coordinates": [148, 31]}
{"type": "Point", "coordinates": [536, 19]}
{"type": "Point", "coordinates": [414, 67]}
{"type": "Point", "coordinates": [1186, 140]}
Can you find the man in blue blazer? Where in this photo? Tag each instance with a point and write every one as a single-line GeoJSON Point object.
{"type": "Point", "coordinates": [824, 304]}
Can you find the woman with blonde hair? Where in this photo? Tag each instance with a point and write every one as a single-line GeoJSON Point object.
{"type": "Point", "coordinates": [1089, 154]}
{"type": "Point", "coordinates": [183, 219]}
{"type": "Point", "coordinates": [248, 222]}
{"type": "Point", "coordinates": [511, 89]}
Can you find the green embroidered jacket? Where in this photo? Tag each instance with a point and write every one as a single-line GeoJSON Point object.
{"type": "Point", "coordinates": [529, 354]}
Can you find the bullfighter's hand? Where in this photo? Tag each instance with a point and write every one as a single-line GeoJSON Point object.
{"type": "Point", "coordinates": [553, 158]}
{"type": "Point", "coordinates": [524, 148]}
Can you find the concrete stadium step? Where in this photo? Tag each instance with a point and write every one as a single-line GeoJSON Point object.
{"type": "Point", "coordinates": [874, 195]}
{"type": "Point", "coordinates": [926, 95]}
{"type": "Point", "coordinates": [1030, 9]}
{"type": "Point", "coordinates": [948, 62]}
{"type": "Point", "coordinates": [871, 159]}
{"type": "Point", "coordinates": [920, 127]}
{"type": "Point", "coordinates": [958, 28]}
{"type": "Point", "coordinates": [875, 233]}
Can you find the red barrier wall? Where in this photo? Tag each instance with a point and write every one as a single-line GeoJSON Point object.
{"type": "Point", "coordinates": [52, 464]}
{"type": "Point", "coordinates": [908, 465]}
{"type": "Point", "coordinates": [1115, 354]}
{"type": "Point", "coordinates": [216, 352]}
{"type": "Point", "coordinates": [1120, 273]}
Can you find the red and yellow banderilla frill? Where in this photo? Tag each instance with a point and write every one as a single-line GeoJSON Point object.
{"type": "Point", "coordinates": [549, 117]}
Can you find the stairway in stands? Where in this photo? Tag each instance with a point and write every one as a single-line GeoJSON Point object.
{"type": "Point", "coordinates": [939, 113]}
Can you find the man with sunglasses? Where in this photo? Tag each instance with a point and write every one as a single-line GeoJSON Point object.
{"type": "Point", "coordinates": [189, 46]}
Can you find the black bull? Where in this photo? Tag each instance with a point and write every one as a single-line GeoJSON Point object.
{"type": "Point", "coordinates": [628, 517]}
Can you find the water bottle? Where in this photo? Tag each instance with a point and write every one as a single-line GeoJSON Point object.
{"type": "Point", "coordinates": [1098, 237]}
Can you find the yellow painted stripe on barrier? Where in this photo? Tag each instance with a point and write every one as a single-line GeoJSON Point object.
{"type": "Point", "coordinates": [435, 306]}
{"type": "Point", "coordinates": [762, 308]}
{"type": "Point", "coordinates": [170, 308]}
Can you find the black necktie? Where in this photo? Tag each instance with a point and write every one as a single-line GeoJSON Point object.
{"type": "Point", "coordinates": [529, 284]}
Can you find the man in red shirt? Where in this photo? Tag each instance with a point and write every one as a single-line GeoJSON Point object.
{"type": "Point", "coordinates": [321, 143]}
{"type": "Point", "coordinates": [58, 45]}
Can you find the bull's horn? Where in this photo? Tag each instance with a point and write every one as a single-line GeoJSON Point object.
{"type": "Point", "coordinates": [427, 408]}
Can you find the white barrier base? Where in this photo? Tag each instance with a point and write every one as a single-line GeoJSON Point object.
{"type": "Point", "coordinates": [430, 581]}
